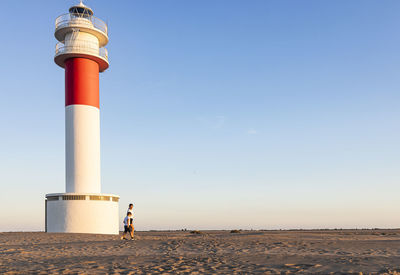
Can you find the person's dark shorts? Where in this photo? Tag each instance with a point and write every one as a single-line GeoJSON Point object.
{"type": "Point", "coordinates": [127, 229]}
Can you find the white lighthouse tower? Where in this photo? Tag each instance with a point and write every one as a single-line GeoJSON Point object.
{"type": "Point", "coordinates": [80, 50]}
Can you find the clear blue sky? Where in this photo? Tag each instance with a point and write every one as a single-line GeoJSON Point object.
{"type": "Point", "coordinates": [215, 114]}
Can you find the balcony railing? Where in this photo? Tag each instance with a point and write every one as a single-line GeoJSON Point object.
{"type": "Point", "coordinates": [82, 47]}
{"type": "Point", "coordinates": [75, 19]}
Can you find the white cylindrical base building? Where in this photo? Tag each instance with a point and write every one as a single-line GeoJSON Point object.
{"type": "Point", "coordinates": [82, 213]}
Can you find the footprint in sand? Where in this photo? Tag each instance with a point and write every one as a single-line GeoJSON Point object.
{"type": "Point", "coordinates": [301, 266]}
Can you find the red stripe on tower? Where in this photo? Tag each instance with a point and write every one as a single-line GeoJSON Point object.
{"type": "Point", "coordinates": [81, 82]}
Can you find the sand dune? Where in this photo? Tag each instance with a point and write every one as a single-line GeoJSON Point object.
{"type": "Point", "coordinates": [248, 252]}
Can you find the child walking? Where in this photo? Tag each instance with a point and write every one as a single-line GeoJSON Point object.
{"type": "Point", "coordinates": [130, 210]}
{"type": "Point", "coordinates": [127, 226]}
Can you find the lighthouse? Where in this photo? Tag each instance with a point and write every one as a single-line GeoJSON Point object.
{"type": "Point", "coordinates": [81, 52]}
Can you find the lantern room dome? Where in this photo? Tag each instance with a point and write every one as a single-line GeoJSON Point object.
{"type": "Point", "coordinates": [81, 9]}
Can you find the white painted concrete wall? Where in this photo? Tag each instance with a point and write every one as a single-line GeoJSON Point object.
{"type": "Point", "coordinates": [80, 41]}
{"type": "Point", "coordinates": [83, 216]}
{"type": "Point", "coordinates": [82, 149]}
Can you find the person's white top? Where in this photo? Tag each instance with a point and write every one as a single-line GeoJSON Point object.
{"type": "Point", "coordinates": [130, 211]}
{"type": "Point", "coordinates": [127, 221]}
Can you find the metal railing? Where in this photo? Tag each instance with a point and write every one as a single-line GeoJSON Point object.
{"type": "Point", "coordinates": [82, 47]}
{"type": "Point", "coordinates": [78, 19]}
{"type": "Point", "coordinates": [99, 198]}
{"type": "Point", "coordinates": [74, 197]}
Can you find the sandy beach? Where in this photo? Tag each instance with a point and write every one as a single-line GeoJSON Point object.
{"type": "Point", "coordinates": [210, 252]}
